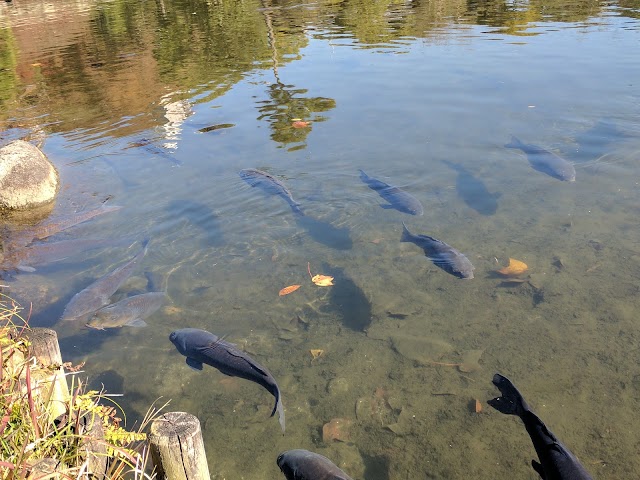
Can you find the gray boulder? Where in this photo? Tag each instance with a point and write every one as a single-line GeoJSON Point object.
{"type": "Point", "coordinates": [27, 178]}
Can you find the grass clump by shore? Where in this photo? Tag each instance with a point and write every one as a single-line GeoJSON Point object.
{"type": "Point", "coordinates": [44, 433]}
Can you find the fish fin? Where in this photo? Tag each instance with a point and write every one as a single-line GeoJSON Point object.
{"type": "Point", "coordinates": [297, 210]}
{"type": "Point", "coordinates": [511, 402]}
{"type": "Point", "coordinates": [252, 364]}
{"type": "Point", "coordinates": [406, 234]}
{"type": "Point", "coordinates": [363, 176]}
{"type": "Point", "coordinates": [136, 322]}
{"type": "Point", "coordinates": [193, 363]}
{"type": "Point", "coordinates": [280, 408]}
{"type": "Point", "coordinates": [538, 468]}
{"type": "Point", "coordinates": [26, 268]}
{"type": "Point", "coordinates": [386, 206]}
{"type": "Point", "coordinates": [514, 143]}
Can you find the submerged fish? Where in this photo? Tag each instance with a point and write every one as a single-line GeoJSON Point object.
{"type": "Point", "coordinates": [305, 465]}
{"type": "Point", "coordinates": [130, 312]}
{"type": "Point", "coordinates": [397, 198]}
{"type": "Point", "coordinates": [271, 185]}
{"type": "Point", "coordinates": [200, 346]}
{"type": "Point", "coordinates": [26, 258]}
{"type": "Point", "coordinates": [545, 161]}
{"type": "Point", "coordinates": [556, 462]}
{"type": "Point", "coordinates": [97, 295]}
{"type": "Point", "coordinates": [442, 255]}
{"type": "Point", "coordinates": [148, 145]}
{"type": "Point", "coordinates": [59, 224]}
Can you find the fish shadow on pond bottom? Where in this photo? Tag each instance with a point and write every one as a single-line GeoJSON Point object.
{"type": "Point", "coordinates": [201, 216]}
{"type": "Point", "coordinates": [473, 191]}
{"type": "Point", "coordinates": [324, 233]}
{"type": "Point", "coordinates": [347, 300]}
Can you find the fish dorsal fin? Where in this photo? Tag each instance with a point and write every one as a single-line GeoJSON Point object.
{"type": "Point", "coordinates": [252, 364]}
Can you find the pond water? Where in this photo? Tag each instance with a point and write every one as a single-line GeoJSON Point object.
{"type": "Point", "coordinates": [121, 96]}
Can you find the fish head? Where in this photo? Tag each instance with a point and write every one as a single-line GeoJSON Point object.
{"type": "Point", "coordinates": [464, 270]}
{"type": "Point", "coordinates": [107, 318]}
{"type": "Point", "coordinates": [188, 340]}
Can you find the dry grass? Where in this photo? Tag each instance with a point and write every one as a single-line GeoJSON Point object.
{"type": "Point", "coordinates": [87, 432]}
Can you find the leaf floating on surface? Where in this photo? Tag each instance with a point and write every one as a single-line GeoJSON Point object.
{"type": "Point", "coordinates": [289, 289]}
{"type": "Point", "coordinates": [320, 280]}
{"type": "Point", "coordinates": [515, 267]}
{"type": "Point", "coordinates": [216, 127]}
{"type": "Point", "coordinates": [300, 124]}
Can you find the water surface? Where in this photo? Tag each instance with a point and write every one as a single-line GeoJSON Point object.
{"type": "Point", "coordinates": [118, 93]}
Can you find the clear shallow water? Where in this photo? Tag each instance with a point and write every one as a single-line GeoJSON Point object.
{"type": "Point", "coordinates": [396, 91]}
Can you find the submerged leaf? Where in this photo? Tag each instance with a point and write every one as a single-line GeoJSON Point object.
{"type": "Point", "coordinates": [289, 289]}
{"type": "Point", "coordinates": [515, 267]}
{"type": "Point", "coordinates": [316, 352]}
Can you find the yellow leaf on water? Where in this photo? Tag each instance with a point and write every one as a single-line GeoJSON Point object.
{"type": "Point", "coordinates": [322, 280]}
{"type": "Point", "coordinates": [289, 289]}
{"type": "Point", "coordinates": [515, 267]}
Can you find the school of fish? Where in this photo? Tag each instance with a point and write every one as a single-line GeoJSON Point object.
{"type": "Point", "coordinates": [91, 306]}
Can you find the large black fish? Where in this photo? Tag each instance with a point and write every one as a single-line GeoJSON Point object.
{"type": "Point", "coordinates": [271, 185]}
{"type": "Point", "coordinates": [545, 161]}
{"type": "Point", "coordinates": [305, 465]}
{"type": "Point", "coordinates": [556, 462]}
{"type": "Point", "coordinates": [442, 255]}
{"type": "Point", "coordinates": [200, 346]}
{"type": "Point", "coordinates": [397, 198]}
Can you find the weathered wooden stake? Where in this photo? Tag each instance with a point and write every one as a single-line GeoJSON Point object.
{"type": "Point", "coordinates": [44, 347]}
{"type": "Point", "coordinates": [177, 449]}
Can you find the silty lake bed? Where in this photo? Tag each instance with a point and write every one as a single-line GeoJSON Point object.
{"type": "Point", "coordinates": [157, 107]}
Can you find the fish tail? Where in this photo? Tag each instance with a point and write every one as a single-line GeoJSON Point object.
{"type": "Point", "coordinates": [363, 176]}
{"type": "Point", "coordinates": [406, 234]}
{"type": "Point", "coordinates": [296, 209]}
{"type": "Point", "coordinates": [511, 402]}
{"type": "Point", "coordinates": [278, 407]}
{"type": "Point", "coordinates": [514, 143]}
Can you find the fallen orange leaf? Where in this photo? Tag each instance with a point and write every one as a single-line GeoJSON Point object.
{"type": "Point", "coordinates": [320, 280]}
{"type": "Point", "coordinates": [289, 289]}
{"type": "Point", "coordinates": [300, 124]}
{"type": "Point", "coordinates": [515, 267]}
{"type": "Point", "coordinates": [316, 352]}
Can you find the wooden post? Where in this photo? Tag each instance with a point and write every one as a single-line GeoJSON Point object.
{"type": "Point", "coordinates": [177, 448]}
{"type": "Point", "coordinates": [44, 347]}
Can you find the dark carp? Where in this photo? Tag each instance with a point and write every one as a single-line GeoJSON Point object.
{"type": "Point", "coordinates": [59, 224]}
{"type": "Point", "coordinates": [271, 185]}
{"type": "Point", "coordinates": [129, 312]}
{"type": "Point", "coordinates": [556, 462]}
{"type": "Point", "coordinates": [305, 465]}
{"type": "Point", "coordinates": [25, 259]}
{"type": "Point", "coordinates": [397, 198]}
{"type": "Point", "coordinates": [97, 295]}
{"type": "Point", "coordinates": [442, 255]}
{"type": "Point", "coordinates": [545, 161]}
{"type": "Point", "coordinates": [200, 347]}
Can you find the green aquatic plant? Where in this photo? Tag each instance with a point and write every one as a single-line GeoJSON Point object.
{"type": "Point", "coordinates": [72, 438]}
